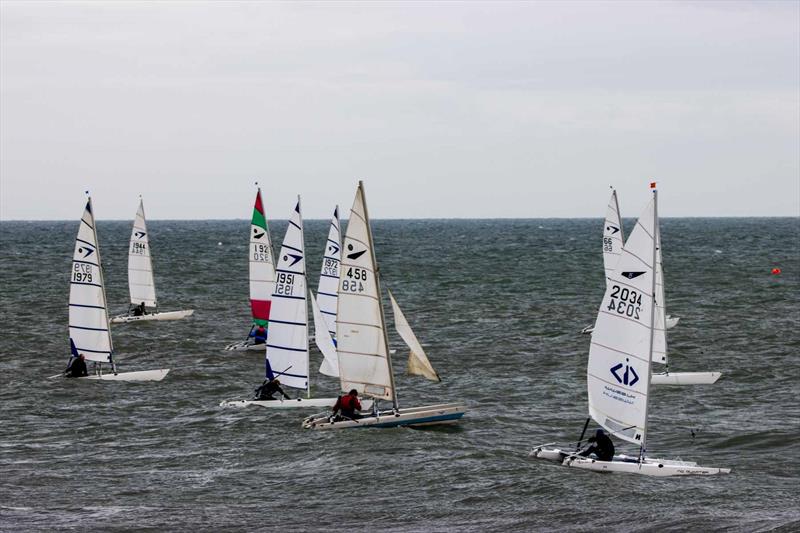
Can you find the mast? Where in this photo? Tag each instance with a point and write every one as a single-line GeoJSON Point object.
{"type": "Point", "coordinates": [616, 203]}
{"type": "Point", "coordinates": [149, 252]}
{"type": "Point", "coordinates": [380, 302]}
{"type": "Point", "coordinates": [102, 282]}
{"type": "Point", "coordinates": [305, 307]}
{"type": "Point", "coordinates": [643, 446]}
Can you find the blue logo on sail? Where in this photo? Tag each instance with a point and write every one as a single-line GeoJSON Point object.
{"type": "Point", "coordinates": [629, 378]}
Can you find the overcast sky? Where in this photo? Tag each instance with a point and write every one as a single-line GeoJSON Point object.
{"type": "Point", "coordinates": [444, 109]}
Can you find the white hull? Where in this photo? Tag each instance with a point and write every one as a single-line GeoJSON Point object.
{"type": "Point", "coordinates": [671, 323]}
{"type": "Point", "coordinates": [685, 378]}
{"type": "Point", "coordinates": [411, 417]}
{"type": "Point", "coordinates": [141, 375]}
{"type": "Point", "coordinates": [627, 464]}
{"type": "Point", "coordinates": [246, 346]}
{"type": "Point", "coordinates": [169, 315]}
{"type": "Point", "coordinates": [294, 403]}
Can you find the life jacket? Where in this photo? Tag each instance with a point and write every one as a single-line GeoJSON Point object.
{"type": "Point", "coordinates": [349, 403]}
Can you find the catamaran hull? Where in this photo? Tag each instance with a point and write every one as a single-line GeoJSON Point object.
{"type": "Point", "coordinates": [141, 375]}
{"type": "Point", "coordinates": [685, 378]}
{"type": "Point", "coordinates": [295, 403]}
{"type": "Point", "coordinates": [671, 323]}
{"type": "Point", "coordinates": [628, 464]}
{"type": "Point", "coordinates": [169, 315]}
{"type": "Point", "coordinates": [245, 346]}
{"type": "Point", "coordinates": [413, 417]}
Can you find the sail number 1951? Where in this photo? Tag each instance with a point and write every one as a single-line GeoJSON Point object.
{"type": "Point", "coordinates": [355, 278]}
{"type": "Point", "coordinates": [625, 301]}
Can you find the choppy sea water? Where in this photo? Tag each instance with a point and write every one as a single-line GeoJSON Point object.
{"type": "Point", "coordinates": [498, 305]}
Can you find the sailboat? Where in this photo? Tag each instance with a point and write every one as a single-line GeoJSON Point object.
{"type": "Point", "coordinates": [362, 345]}
{"type": "Point", "coordinates": [287, 353]}
{"type": "Point", "coordinates": [326, 302]}
{"type": "Point", "coordinates": [262, 276]}
{"type": "Point", "coordinates": [141, 285]}
{"type": "Point", "coordinates": [89, 331]}
{"type": "Point", "coordinates": [620, 359]}
{"type": "Point", "coordinates": [613, 238]}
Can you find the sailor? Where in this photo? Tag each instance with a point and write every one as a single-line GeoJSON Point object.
{"type": "Point", "coordinates": [259, 334]}
{"type": "Point", "coordinates": [267, 389]}
{"type": "Point", "coordinates": [77, 367]}
{"type": "Point", "coordinates": [139, 310]}
{"type": "Point", "coordinates": [601, 446]}
{"type": "Point", "coordinates": [347, 405]}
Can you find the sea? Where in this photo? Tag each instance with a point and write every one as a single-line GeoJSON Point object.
{"type": "Point", "coordinates": [498, 306]}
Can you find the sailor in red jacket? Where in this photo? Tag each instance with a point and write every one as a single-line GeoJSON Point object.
{"type": "Point", "coordinates": [347, 405]}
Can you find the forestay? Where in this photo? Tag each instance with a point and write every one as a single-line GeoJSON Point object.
{"type": "Point", "coordinates": [612, 236]}
{"type": "Point", "coordinates": [287, 342]}
{"type": "Point", "coordinates": [88, 315]}
{"type": "Point", "coordinates": [141, 285]}
{"type": "Point", "coordinates": [362, 347]}
{"type": "Point", "coordinates": [418, 363]}
{"type": "Point", "coordinates": [262, 267]}
{"type": "Point", "coordinates": [329, 278]}
{"type": "Point", "coordinates": [618, 374]}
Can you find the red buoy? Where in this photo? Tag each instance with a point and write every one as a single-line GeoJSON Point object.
{"type": "Point", "coordinates": [776, 271]}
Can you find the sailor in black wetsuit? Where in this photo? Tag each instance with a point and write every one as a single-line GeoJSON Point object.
{"type": "Point", "coordinates": [139, 310]}
{"type": "Point", "coordinates": [601, 446]}
{"type": "Point", "coordinates": [267, 389]}
{"type": "Point", "coordinates": [77, 368]}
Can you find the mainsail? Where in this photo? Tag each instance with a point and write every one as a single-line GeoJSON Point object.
{"type": "Point", "coordinates": [618, 373]}
{"type": "Point", "coordinates": [363, 350]}
{"type": "Point", "coordinates": [287, 343]}
{"type": "Point", "coordinates": [140, 265]}
{"type": "Point", "coordinates": [262, 267]}
{"type": "Point", "coordinates": [660, 322]}
{"type": "Point", "coordinates": [613, 236]}
{"type": "Point", "coordinates": [88, 312]}
{"type": "Point", "coordinates": [418, 363]}
{"type": "Point", "coordinates": [329, 277]}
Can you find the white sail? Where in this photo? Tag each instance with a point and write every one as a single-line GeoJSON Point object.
{"type": "Point", "coordinates": [262, 267]}
{"type": "Point", "coordinates": [89, 332]}
{"type": "Point", "coordinates": [330, 362]}
{"type": "Point", "coordinates": [140, 265]}
{"type": "Point", "coordinates": [329, 277]}
{"type": "Point", "coordinates": [362, 347]}
{"type": "Point", "coordinates": [418, 363]}
{"type": "Point", "coordinates": [660, 322]}
{"type": "Point", "coordinates": [613, 235]}
{"type": "Point", "coordinates": [287, 341]}
{"type": "Point", "coordinates": [618, 372]}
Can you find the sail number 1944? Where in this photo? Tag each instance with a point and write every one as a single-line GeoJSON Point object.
{"type": "Point", "coordinates": [353, 280]}
{"type": "Point", "coordinates": [625, 301]}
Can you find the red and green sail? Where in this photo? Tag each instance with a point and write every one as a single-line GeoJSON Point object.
{"type": "Point", "coordinates": [262, 269]}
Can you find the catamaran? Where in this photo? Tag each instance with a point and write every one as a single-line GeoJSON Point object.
{"type": "Point", "coordinates": [262, 277]}
{"type": "Point", "coordinates": [620, 358]}
{"type": "Point", "coordinates": [89, 330]}
{"type": "Point", "coordinates": [362, 345]}
{"type": "Point", "coordinates": [613, 238]}
{"type": "Point", "coordinates": [141, 284]}
{"type": "Point", "coordinates": [287, 349]}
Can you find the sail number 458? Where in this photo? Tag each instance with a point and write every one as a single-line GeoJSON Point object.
{"type": "Point", "coordinates": [355, 283]}
{"type": "Point", "coordinates": [625, 301]}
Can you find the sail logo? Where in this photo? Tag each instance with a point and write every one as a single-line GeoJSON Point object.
{"type": "Point", "coordinates": [355, 255]}
{"type": "Point", "coordinates": [613, 229]}
{"type": "Point", "coordinates": [140, 234]}
{"type": "Point", "coordinates": [631, 275]}
{"type": "Point", "coordinates": [334, 249]}
{"type": "Point", "coordinates": [296, 258]}
{"type": "Point", "coordinates": [256, 234]}
{"type": "Point", "coordinates": [629, 378]}
{"type": "Point", "coordinates": [86, 251]}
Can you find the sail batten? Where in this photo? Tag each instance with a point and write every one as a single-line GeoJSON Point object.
{"type": "Point", "coordinates": [89, 331]}
{"type": "Point", "coordinates": [287, 341]}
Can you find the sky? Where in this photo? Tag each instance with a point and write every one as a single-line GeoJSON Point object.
{"type": "Point", "coordinates": [444, 109]}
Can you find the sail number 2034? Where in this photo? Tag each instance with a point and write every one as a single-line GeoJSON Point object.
{"type": "Point", "coordinates": [353, 280]}
{"type": "Point", "coordinates": [625, 301]}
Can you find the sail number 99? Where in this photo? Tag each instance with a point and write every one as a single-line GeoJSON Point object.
{"type": "Point", "coordinates": [608, 244]}
{"type": "Point", "coordinates": [625, 301]}
{"type": "Point", "coordinates": [355, 283]}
